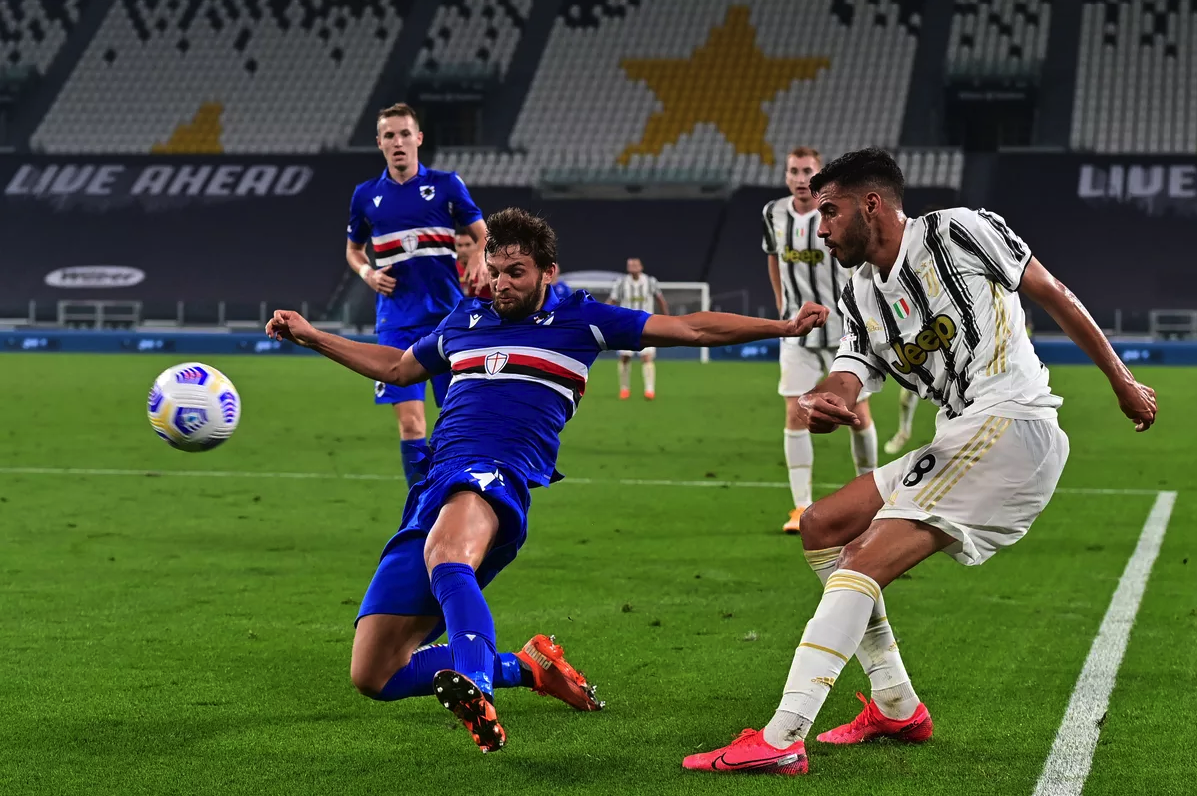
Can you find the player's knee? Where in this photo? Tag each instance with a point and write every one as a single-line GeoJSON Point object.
{"type": "Point", "coordinates": [818, 526]}
{"type": "Point", "coordinates": [371, 680]}
{"type": "Point", "coordinates": [794, 419]}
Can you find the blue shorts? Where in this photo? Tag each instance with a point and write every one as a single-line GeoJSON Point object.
{"type": "Point", "coordinates": [400, 584]}
{"type": "Point", "coordinates": [390, 393]}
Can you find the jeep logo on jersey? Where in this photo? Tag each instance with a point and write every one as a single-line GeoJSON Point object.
{"type": "Point", "coordinates": [428, 191]}
{"type": "Point", "coordinates": [495, 362]}
{"type": "Point", "coordinates": [410, 241]}
{"type": "Point", "coordinates": [95, 276]}
{"type": "Point", "coordinates": [937, 334]}
{"type": "Point", "coordinates": [808, 256]}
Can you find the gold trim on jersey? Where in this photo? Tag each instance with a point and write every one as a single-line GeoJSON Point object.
{"type": "Point", "coordinates": [1001, 333]}
{"type": "Point", "coordinates": [968, 455]}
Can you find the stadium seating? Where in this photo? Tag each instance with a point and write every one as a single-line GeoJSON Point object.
{"type": "Point", "coordinates": [998, 38]}
{"type": "Point", "coordinates": [1136, 77]}
{"type": "Point", "coordinates": [473, 37]}
{"type": "Point", "coordinates": [223, 75]}
{"type": "Point", "coordinates": [31, 31]}
{"type": "Point", "coordinates": [725, 85]}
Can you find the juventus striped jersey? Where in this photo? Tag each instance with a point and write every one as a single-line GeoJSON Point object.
{"type": "Point", "coordinates": [636, 294]}
{"type": "Point", "coordinates": [947, 322]}
{"type": "Point", "coordinates": [516, 383]}
{"type": "Point", "coordinates": [808, 271]}
{"type": "Point", "coordinates": [411, 229]}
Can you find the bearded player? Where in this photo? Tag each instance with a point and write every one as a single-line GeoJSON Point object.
{"type": "Point", "coordinates": [992, 467]}
{"type": "Point", "coordinates": [801, 269]}
{"type": "Point", "coordinates": [519, 367]}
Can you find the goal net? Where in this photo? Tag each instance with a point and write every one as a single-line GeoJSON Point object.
{"type": "Point", "coordinates": [682, 297]}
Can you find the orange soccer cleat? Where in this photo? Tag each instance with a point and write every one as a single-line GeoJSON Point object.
{"type": "Point", "coordinates": [872, 723]}
{"type": "Point", "coordinates": [792, 526]}
{"type": "Point", "coordinates": [460, 695]}
{"type": "Point", "coordinates": [624, 393]}
{"type": "Point", "coordinates": [554, 677]}
{"type": "Point", "coordinates": [649, 395]}
{"type": "Point", "coordinates": [749, 754]}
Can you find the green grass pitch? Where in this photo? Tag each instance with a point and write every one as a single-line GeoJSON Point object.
{"type": "Point", "coordinates": [192, 634]}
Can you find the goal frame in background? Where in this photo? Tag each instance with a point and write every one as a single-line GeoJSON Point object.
{"type": "Point", "coordinates": [602, 290]}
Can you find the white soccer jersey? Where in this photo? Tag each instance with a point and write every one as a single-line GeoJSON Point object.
{"type": "Point", "coordinates": [636, 294]}
{"type": "Point", "coordinates": [947, 323]}
{"type": "Point", "coordinates": [808, 271]}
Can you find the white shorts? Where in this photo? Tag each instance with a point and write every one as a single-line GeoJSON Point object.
{"type": "Point", "coordinates": [651, 351]}
{"type": "Point", "coordinates": [983, 480]}
{"type": "Point", "coordinates": [803, 368]}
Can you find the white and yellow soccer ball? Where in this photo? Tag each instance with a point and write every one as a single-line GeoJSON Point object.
{"type": "Point", "coordinates": [194, 407]}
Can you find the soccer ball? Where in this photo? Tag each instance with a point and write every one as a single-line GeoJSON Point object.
{"type": "Point", "coordinates": [194, 407]}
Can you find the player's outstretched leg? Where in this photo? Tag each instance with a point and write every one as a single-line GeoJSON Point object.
{"type": "Point", "coordinates": [831, 523]}
{"type": "Point", "coordinates": [551, 675]}
{"type": "Point", "coordinates": [907, 403]}
{"type": "Point", "coordinates": [887, 549]}
{"type": "Point", "coordinates": [800, 458]}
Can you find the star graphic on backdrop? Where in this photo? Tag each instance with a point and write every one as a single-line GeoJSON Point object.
{"type": "Point", "coordinates": [724, 82]}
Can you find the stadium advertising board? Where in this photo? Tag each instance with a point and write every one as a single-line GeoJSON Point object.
{"type": "Point", "coordinates": [1117, 229]}
{"type": "Point", "coordinates": [175, 228]}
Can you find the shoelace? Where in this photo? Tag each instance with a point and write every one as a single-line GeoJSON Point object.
{"type": "Point", "coordinates": [865, 718]}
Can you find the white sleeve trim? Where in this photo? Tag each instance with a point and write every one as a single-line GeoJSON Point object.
{"type": "Point", "coordinates": [598, 337]}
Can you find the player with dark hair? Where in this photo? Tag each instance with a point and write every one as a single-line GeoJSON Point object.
{"type": "Point", "coordinates": [933, 305]}
{"type": "Point", "coordinates": [408, 215]}
{"type": "Point", "coordinates": [519, 366]}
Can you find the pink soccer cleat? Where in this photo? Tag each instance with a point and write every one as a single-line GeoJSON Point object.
{"type": "Point", "coordinates": [871, 724]}
{"type": "Point", "coordinates": [749, 754]}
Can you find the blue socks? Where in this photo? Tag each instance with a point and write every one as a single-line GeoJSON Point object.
{"type": "Point", "coordinates": [470, 626]}
{"type": "Point", "coordinates": [416, 458]}
{"type": "Point", "coordinates": [415, 679]}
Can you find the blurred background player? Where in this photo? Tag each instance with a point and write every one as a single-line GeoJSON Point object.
{"type": "Point", "coordinates": [638, 291]}
{"type": "Point", "coordinates": [809, 273]}
{"type": "Point", "coordinates": [560, 289]}
{"type": "Point", "coordinates": [409, 214]}
{"type": "Point", "coordinates": [467, 250]}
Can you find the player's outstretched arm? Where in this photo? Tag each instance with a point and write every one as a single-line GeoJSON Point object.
{"type": "Point", "coordinates": [378, 362]}
{"type": "Point", "coordinates": [724, 328]}
{"type": "Point", "coordinates": [1136, 400]}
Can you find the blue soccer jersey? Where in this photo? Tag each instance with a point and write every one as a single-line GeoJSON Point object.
{"type": "Point", "coordinates": [561, 290]}
{"type": "Point", "coordinates": [516, 383]}
{"type": "Point", "coordinates": [411, 227]}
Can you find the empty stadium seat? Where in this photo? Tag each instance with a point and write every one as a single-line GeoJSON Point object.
{"type": "Point", "coordinates": [473, 36]}
{"type": "Point", "coordinates": [32, 31]}
{"type": "Point", "coordinates": [196, 76]}
{"type": "Point", "coordinates": [1136, 85]}
{"type": "Point", "coordinates": [717, 84]}
{"type": "Point", "coordinates": [998, 38]}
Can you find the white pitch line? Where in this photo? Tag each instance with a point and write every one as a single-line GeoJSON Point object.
{"type": "Point", "coordinates": [709, 482]}
{"type": "Point", "coordinates": [1071, 757]}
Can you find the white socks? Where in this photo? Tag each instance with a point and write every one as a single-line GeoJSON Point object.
{"type": "Point", "coordinates": [907, 403]}
{"type": "Point", "coordinates": [625, 374]}
{"type": "Point", "coordinates": [864, 449]}
{"type": "Point", "coordinates": [800, 455]}
{"type": "Point", "coordinates": [800, 458]}
{"type": "Point", "coordinates": [648, 371]}
{"type": "Point", "coordinates": [878, 652]}
{"type": "Point", "coordinates": [831, 637]}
